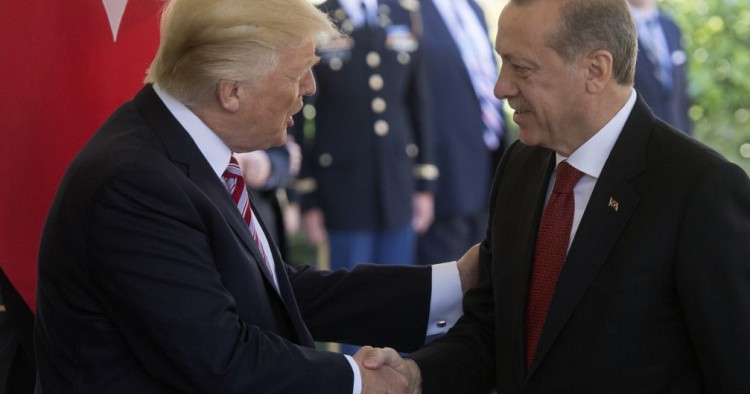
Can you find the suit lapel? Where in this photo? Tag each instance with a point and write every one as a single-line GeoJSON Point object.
{"type": "Point", "coordinates": [519, 199]}
{"type": "Point", "coordinates": [230, 212]}
{"type": "Point", "coordinates": [183, 152]}
{"type": "Point", "coordinates": [523, 271]}
{"type": "Point", "coordinates": [289, 300]}
{"type": "Point", "coordinates": [181, 149]}
{"type": "Point", "coordinates": [612, 203]}
{"type": "Point", "coordinates": [285, 288]}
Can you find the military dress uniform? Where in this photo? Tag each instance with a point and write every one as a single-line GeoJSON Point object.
{"type": "Point", "coordinates": [369, 151]}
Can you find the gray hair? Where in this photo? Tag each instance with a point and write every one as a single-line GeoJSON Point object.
{"type": "Point", "coordinates": [588, 25]}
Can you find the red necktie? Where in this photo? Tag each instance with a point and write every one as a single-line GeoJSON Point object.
{"type": "Point", "coordinates": [549, 254]}
{"type": "Point", "coordinates": [236, 186]}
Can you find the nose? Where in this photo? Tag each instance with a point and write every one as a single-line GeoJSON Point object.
{"type": "Point", "coordinates": [308, 86]}
{"type": "Point", "coordinates": [504, 87]}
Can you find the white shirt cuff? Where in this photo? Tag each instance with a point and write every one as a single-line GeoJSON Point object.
{"type": "Point", "coordinates": [445, 298]}
{"type": "Point", "coordinates": [357, 389]}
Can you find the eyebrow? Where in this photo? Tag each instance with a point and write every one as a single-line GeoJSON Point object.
{"type": "Point", "coordinates": [507, 57]}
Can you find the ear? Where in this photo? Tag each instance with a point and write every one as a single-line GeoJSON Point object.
{"type": "Point", "coordinates": [227, 92]}
{"type": "Point", "coordinates": [598, 70]}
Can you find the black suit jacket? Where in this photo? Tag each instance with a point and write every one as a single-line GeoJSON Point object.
{"type": "Point", "coordinates": [654, 296]}
{"type": "Point", "coordinates": [17, 369]}
{"type": "Point", "coordinates": [150, 282]}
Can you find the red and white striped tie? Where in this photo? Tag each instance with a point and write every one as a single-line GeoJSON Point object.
{"type": "Point", "coordinates": [236, 185]}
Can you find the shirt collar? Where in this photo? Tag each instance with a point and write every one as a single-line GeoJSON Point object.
{"type": "Point", "coordinates": [641, 17]}
{"type": "Point", "coordinates": [590, 157]}
{"type": "Point", "coordinates": [354, 11]}
{"type": "Point", "coordinates": [215, 151]}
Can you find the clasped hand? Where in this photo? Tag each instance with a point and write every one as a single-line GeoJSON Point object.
{"type": "Point", "coordinates": [384, 371]}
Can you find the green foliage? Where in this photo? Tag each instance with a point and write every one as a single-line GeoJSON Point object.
{"type": "Point", "coordinates": [717, 41]}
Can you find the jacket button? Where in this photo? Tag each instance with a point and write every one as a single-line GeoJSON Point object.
{"type": "Point", "coordinates": [412, 150]}
{"type": "Point", "coordinates": [376, 82]}
{"type": "Point", "coordinates": [403, 58]}
{"type": "Point", "coordinates": [325, 160]}
{"type": "Point", "coordinates": [373, 59]}
{"type": "Point", "coordinates": [381, 128]}
{"type": "Point", "coordinates": [378, 105]}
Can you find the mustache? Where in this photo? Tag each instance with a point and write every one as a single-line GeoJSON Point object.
{"type": "Point", "coordinates": [518, 104]}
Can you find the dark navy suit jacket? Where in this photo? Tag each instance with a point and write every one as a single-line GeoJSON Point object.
{"type": "Point", "coordinates": [671, 105]}
{"type": "Point", "coordinates": [150, 282]}
{"type": "Point", "coordinates": [466, 165]}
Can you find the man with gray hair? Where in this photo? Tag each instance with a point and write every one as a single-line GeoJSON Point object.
{"type": "Point", "coordinates": [155, 273]}
{"type": "Point", "coordinates": [624, 265]}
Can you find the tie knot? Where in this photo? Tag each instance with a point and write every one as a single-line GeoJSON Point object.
{"type": "Point", "coordinates": [233, 170]}
{"type": "Point", "coordinates": [567, 177]}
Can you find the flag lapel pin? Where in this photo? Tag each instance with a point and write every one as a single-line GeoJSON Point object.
{"type": "Point", "coordinates": [614, 204]}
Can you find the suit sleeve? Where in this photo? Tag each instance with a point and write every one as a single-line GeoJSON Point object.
{"type": "Point", "coordinates": [374, 305]}
{"type": "Point", "coordinates": [154, 275]}
{"type": "Point", "coordinates": [465, 357]}
{"type": "Point", "coordinates": [713, 277]}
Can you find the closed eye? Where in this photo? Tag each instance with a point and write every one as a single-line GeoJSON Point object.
{"type": "Point", "coordinates": [521, 70]}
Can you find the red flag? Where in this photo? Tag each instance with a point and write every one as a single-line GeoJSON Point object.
{"type": "Point", "coordinates": [66, 65]}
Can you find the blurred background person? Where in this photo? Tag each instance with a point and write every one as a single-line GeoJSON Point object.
{"type": "Point", "coordinates": [661, 67]}
{"type": "Point", "coordinates": [468, 132]}
{"type": "Point", "coordinates": [367, 174]}
{"type": "Point", "coordinates": [366, 171]}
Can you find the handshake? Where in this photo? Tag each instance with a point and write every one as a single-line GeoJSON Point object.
{"type": "Point", "coordinates": [384, 371]}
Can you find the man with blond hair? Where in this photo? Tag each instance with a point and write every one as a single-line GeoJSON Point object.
{"type": "Point", "coordinates": [153, 278]}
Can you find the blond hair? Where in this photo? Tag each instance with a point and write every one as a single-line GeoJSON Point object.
{"type": "Point", "coordinates": [206, 41]}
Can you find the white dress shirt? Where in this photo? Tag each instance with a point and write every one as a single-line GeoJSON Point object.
{"type": "Point", "coordinates": [589, 158]}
